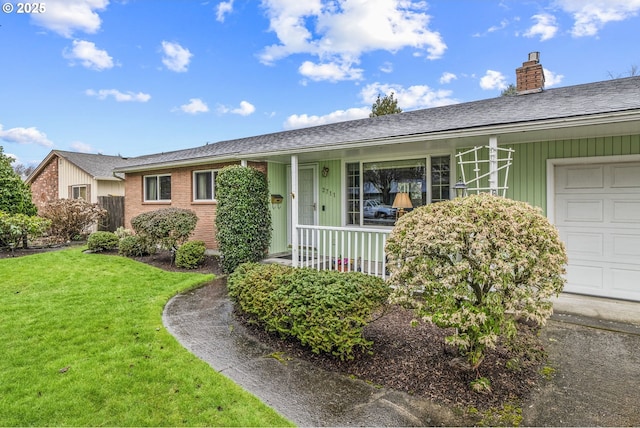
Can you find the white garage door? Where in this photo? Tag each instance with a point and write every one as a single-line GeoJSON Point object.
{"type": "Point", "coordinates": [597, 211]}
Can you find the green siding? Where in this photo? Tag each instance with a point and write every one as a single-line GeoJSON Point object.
{"type": "Point", "coordinates": [277, 176]}
{"type": "Point", "coordinates": [527, 174]}
{"type": "Point", "coordinates": [330, 194]}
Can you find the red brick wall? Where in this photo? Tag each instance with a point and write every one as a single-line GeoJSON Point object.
{"type": "Point", "coordinates": [44, 187]}
{"type": "Point", "coordinates": [181, 197]}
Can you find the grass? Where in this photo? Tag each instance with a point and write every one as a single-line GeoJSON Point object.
{"type": "Point", "coordinates": [83, 345]}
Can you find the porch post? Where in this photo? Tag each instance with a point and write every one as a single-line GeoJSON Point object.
{"type": "Point", "coordinates": [493, 165]}
{"type": "Point", "coordinates": [294, 210]}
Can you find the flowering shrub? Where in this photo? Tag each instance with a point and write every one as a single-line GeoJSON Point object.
{"type": "Point", "coordinates": [71, 217]}
{"type": "Point", "coordinates": [476, 264]}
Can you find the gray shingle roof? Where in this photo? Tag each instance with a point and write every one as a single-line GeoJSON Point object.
{"type": "Point", "coordinates": [96, 165]}
{"type": "Point", "coordinates": [604, 97]}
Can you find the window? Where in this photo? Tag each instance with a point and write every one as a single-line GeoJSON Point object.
{"type": "Point", "coordinates": [79, 192]}
{"type": "Point", "coordinates": [157, 188]}
{"type": "Point", "coordinates": [373, 188]}
{"type": "Point", "coordinates": [204, 185]}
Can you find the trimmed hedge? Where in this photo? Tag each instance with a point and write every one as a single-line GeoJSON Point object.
{"type": "Point", "coordinates": [102, 241]}
{"type": "Point", "coordinates": [190, 255]}
{"type": "Point", "coordinates": [243, 216]}
{"type": "Point", "coordinates": [325, 310]}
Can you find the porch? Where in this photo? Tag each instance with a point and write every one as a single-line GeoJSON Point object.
{"type": "Point", "coordinates": [345, 249]}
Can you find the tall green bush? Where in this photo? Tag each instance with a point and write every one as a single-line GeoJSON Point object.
{"type": "Point", "coordinates": [243, 217]}
{"type": "Point", "coordinates": [325, 310]}
{"type": "Point", "coordinates": [476, 264]}
{"type": "Point", "coordinates": [15, 194]}
{"type": "Point", "coordinates": [166, 227]}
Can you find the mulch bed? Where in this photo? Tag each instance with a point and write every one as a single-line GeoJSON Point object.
{"type": "Point", "coordinates": [414, 360]}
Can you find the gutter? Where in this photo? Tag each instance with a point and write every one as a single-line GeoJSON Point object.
{"type": "Point", "coordinates": [479, 131]}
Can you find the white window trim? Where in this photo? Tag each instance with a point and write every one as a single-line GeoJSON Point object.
{"type": "Point", "coordinates": [364, 160]}
{"type": "Point", "coordinates": [144, 187]}
{"type": "Point", "coordinates": [213, 185]}
{"type": "Point", "coordinates": [79, 186]}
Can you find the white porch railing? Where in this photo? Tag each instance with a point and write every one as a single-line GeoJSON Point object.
{"type": "Point", "coordinates": [342, 248]}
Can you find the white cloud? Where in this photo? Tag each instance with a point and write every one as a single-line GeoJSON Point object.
{"type": "Point", "coordinates": [224, 8]}
{"type": "Point", "coordinates": [176, 58]}
{"type": "Point", "coordinates": [81, 147]}
{"type": "Point", "coordinates": [447, 77]}
{"type": "Point", "coordinates": [245, 109]}
{"type": "Point", "coordinates": [411, 98]}
{"type": "Point", "coordinates": [89, 55]}
{"type": "Point", "coordinates": [25, 136]}
{"type": "Point", "coordinates": [546, 27]}
{"type": "Point", "coordinates": [387, 67]}
{"type": "Point", "coordinates": [493, 80]}
{"type": "Point", "coordinates": [591, 15]}
{"type": "Point", "coordinates": [551, 78]}
{"type": "Point", "coordinates": [296, 121]}
{"type": "Point", "coordinates": [332, 72]}
{"type": "Point", "coordinates": [195, 106]}
{"type": "Point", "coordinates": [119, 96]}
{"type": "Point", "coordinates": [67, 16]}
{"type": "Point", "coordinates": [339, 33]}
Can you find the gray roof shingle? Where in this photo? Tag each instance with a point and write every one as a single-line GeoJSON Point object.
{"type": "Point", "coordinates": [571, 101]}
{"type": "Point", "coordinates": [97, 165]}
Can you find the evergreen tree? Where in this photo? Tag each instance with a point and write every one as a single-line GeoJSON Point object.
{"type": "Point", "coordinates": [385, 105]}
{"type": "Point", "coordinates": [15, 194]}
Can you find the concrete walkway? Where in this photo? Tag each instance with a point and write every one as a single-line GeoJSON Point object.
{"type": "Point", "coordinates": [597, 363]}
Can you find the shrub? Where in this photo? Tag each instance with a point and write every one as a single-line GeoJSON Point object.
{"type": "Point", "coordinates": [102, 241]}
{"type": "Point", "coordinates": [121, 232]}
{"type": "Point", "coordinates": [243, 217]}
{"type": "Point", "coordinates": [16, 229]}
{"type": "Point", "coordinates": [15, 194]}
{"type": "Point", "coordinates": [476, 264]}
{"type": "Point", "coordinates": [71, 217]}
{"type": "Point", "coordinates": [135, 246]}
{"type": "Point", "coordinates": [190, 255]}
{"type": "Point", "coordinates": [325, 310]}
{"type": "Point", "coordinates": [166, 227]}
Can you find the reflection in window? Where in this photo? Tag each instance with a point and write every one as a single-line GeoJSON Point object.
{"type": "Point", "coordinates": [403, 183]}
{"type": "Point", "coordinates": [204, 185]}
{"type": "Point", "coordinates": [157, 188]}
{"type": "Point", "coordinates": [383, 181]}
{"type": "Point", "coordinates": [79, 192]}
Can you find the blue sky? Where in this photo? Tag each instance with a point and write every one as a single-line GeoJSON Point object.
{"type": "Point", "coordinates": [134, 77]}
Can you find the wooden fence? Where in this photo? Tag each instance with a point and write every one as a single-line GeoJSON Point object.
{"type": "Point", "coordinates": [115, 212]}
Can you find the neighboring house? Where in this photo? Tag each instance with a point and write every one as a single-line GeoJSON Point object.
{"type": "Point", "coordinates": [575, 154]}
{"type": "Point", "coordinates": [71, 175]}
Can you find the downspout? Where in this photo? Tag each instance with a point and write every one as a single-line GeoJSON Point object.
{"type": "Point", "coordinates": [294, 211]}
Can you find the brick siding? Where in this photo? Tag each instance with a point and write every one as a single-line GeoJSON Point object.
{"type": "Point", "coordinates": [181, 197]}
{"type": "Point", "coordinates": [44, 187]}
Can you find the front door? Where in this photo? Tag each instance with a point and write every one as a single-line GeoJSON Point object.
{"type": "Point", "coordinates": [308, 199]}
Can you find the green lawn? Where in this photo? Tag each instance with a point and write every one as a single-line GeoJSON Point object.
{"type": "Point", "coordinates": [82, 344]}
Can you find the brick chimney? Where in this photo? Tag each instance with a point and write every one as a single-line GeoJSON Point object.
{"type": "Point", "coordinates": [530, 77]}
